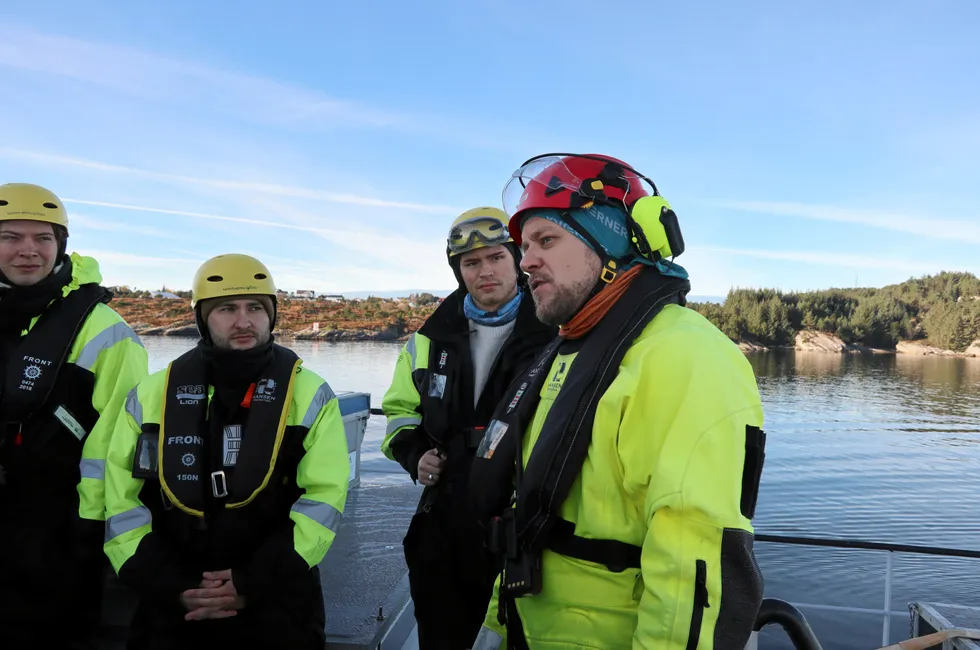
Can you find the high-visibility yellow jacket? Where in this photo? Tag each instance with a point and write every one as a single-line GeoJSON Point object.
{"type": "Point", "coordinates": [65, 382]}
{"type": "Point", "coordinates": [664, 472]}
{"type": "Point", "coordinates": [105, 360]}
{"type": "Point", "coordinates": [285, 527]}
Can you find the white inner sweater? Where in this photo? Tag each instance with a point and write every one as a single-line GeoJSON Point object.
{"type": "Point", "coordinates": [485, 343]}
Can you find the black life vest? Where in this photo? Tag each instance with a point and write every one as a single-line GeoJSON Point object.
{"type": "Point", "coordinates": [563, 443]}
{"type": "Point", "coordinates": [40, 391]}
{"type": "Point", "coordinates": [446, 386]}
{"type": "Point", "coordinates": [446, 390]}
{"type": "Point", "coordinates": [184, 430]}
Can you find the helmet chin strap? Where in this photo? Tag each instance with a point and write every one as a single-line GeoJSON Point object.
{"type": "Point", "coordinates": [611, 266]}
{"type": "Point", "coordinates": [202, 327]}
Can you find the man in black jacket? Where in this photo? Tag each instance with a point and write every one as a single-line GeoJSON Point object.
{"type": "Point", "coordinates": [447, 381]}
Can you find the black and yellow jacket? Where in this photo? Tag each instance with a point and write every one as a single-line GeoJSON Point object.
{"type": "Point", "coordinates": [430, 401]}
{"type": "Point", "coordinates": [667, 459]}
{"type": "Point", "coordinates": [60, 430]}
{"type": "Point", "coordinates": [272, 512]}
{"type": "Point", "coordinates": [64, 382]}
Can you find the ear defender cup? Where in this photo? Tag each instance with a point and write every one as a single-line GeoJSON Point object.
{"type": "Point", "coordinates": [654, 228]}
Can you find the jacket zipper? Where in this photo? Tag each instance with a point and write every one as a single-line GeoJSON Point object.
{"type": "Point", "coordinates": [700, 603]}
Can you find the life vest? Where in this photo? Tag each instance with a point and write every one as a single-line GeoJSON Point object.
{"type": "Point", "coordinates": [563, 444]}
{"type": "Point", "coordinates": [445, 385]}
{"type": "Point", "coordinates": [184, 431]}
{"type": "Point", "coordinates": [534, 523]}
{"type": "Point", "coordinates": [35, 384]}
{"type": "Point", "coordinates": [446, 390]}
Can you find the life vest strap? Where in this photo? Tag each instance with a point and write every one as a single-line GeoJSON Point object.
{"type": "Point", "coordinates": [615, 555]}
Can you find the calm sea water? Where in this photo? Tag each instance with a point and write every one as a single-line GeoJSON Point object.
{"type": "Point", "coordinates": [883, 448]}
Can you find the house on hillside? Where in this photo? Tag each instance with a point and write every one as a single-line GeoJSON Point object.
{"type": "Point", "coordinates": [332, 297]}
{"type": "Point", "coordinates": [164, 295]}
{"type": "Point", "coordinates": [305, 294]}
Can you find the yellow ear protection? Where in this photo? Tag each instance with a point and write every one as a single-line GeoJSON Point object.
{"type": "Point", "coordinates": [654, 228]}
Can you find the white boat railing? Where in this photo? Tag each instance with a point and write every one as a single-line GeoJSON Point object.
{"type": "Point", "coordinates": [889, 549]}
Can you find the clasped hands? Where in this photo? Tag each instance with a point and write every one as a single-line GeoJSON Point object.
{"type": "Point", "coordinates": [215, 597]}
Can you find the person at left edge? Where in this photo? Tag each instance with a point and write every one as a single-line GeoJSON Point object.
{"type": "Point", "coordinates": [67, 361]}
{"type": "Point", "coordinates": [226, 480]}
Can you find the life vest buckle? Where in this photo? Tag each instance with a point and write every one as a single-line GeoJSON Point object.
{"type": "Point", "coordinates": [218, 478]}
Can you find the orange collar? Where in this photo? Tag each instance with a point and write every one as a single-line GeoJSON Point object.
{"type": "Point", "coordinates": [593, 311]}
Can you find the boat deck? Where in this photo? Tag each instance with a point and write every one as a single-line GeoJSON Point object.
{"type": "Point", "coordinates": [365, 581]}
{"type": "Point", "coordinates": [939, 617]}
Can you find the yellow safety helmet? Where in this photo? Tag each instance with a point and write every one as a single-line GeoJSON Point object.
{"type": "Point", "coordinates": [232, 274]}
{"type": "Point", "coordinates": [31, 203]}
{"type": "Point", "coordinates": [477, 228]}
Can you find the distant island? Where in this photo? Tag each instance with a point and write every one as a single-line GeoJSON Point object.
{"type": "Point", "coordinates": [301, 315]}
{"type": "Point", "coordinates": [938, 314]}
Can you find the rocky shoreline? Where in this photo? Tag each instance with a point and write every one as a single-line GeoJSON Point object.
{"type": "Point", "coordinates": [390, 333]}
{"type": "Point", "coordinates": [806, 341]}
{"type": "Point", "coordinates": [812, 341]}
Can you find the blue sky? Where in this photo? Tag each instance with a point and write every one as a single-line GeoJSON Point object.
{"type": "Point", "coordinates": [802, 145]}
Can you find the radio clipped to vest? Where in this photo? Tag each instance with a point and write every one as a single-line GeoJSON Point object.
{"type": "Point", "coordinates": [522, 568]}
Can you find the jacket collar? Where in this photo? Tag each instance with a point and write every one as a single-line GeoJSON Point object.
{"type": "Point", "coordinates": [448, 320]}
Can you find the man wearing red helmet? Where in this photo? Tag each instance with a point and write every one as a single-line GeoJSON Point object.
{"type": "Point", "coordinates": [628, 518]}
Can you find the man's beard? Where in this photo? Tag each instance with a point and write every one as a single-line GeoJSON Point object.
{"type": "Point", "coordinates": [566, 301]}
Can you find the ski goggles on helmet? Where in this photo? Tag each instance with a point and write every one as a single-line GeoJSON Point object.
{"type": "Point", "coordinates": [477, 232]}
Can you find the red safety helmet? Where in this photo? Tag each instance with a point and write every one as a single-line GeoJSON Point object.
{"type": "Point", "coordinates": [564, 181]}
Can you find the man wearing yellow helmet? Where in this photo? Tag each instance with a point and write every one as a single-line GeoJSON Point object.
{"type": "Point", "coordinates": [446, 383]}
{"type": "Point", "coordinates": [226, 480]}
{"type": "Point", "coordinates": [67, 361]}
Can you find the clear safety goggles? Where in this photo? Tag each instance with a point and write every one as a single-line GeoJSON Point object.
{"type": "Point", "coordinates": [530, 180]}
{"type": "Point", "coordinates": [485, 231]}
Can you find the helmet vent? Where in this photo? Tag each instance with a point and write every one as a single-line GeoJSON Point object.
{"type": "Point", "coordinates": [50, 206]}
{"type": "Point", "coordinates": [3, 202]}
{"type": "Point", "coordinates": [260, 276]}
{"type": "Point", "coordinates": [215, 278]}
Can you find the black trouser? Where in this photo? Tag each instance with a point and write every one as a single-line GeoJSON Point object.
{"type": "Point", "coordinates": [451, 575]}
{"type": "Point", "coordinates": [50, 613]}
{"type": "Point", "coordinates": [268, 624]}
{"type": "Point", "coordinates": [51, 584]}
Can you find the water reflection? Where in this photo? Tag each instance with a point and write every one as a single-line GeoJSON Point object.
{"type": "Point", "coordinates": [880, 447]}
